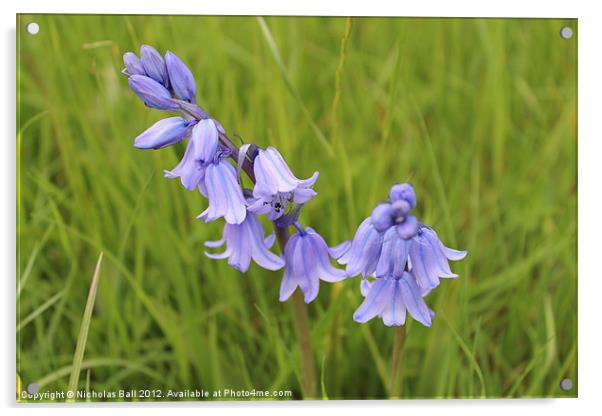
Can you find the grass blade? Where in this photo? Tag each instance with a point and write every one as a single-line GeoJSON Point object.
{"type": "Point", "coordinates": [83, 331]}
{"type": "Point", "coordinates": [289, 84]}
{"type": "Point", "coordinates": [138, 366]}
{"type": "Point", "coordinates": [469, 356]}
{"type": "Point", "coordinates": [39, 310]}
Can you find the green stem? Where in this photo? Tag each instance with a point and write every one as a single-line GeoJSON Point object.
{"type": "Point", "coordinates": [308, 367]}
{"type": "Point", "coordinates": [400, 338]}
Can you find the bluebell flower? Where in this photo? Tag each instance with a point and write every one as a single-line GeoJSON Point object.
{"type": "Point", "coordinates": [391, 217]}
{"type": "Point", "coordinates": [133, 64]}
{"type": "Point", "coordinates": [406, 258]}
{"type": "Point", "coordinates": [307, 261]}
{"type": "Point", "coordinates": [154, 65]}
{"type": "Point", "coordinates": [201, 150]}
{"type": "Point", "coordinates": [246, 241]}
{"type": "Point", "coordinates": [152, 93]}
{"type": "Point", "coordinates": [190, 170]}
{"type": "Point", "coordinates": [276, 186]}
{"type": "Point", "coordinates": [362, 255]}
{"type": "Point", "coordinates": [364, 250]}
{"type": "Point", "coordinates": [181, 79]}
{"type": "Point", "coordinates": [390, 298]}
{"type": "Point", "coordinates": [429, 258]}
{"type": "Point", "coordinates": [163, 133]}
{"type": "Point", "coordinates": [223, 192]}
{"type": "Point", "coordinates": [393, 257]}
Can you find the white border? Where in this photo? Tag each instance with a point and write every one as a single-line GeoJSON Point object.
{"type": "Point", "coordinates": [509, 8]}
{"type": "Point", "coordinates": [590, 175]}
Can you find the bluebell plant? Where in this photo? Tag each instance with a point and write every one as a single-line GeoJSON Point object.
{"type": "Point", "coordinates": [399, 258]}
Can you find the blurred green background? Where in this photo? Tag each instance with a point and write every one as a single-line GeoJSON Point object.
{"type": "Point", "coordinates": [480, 114]}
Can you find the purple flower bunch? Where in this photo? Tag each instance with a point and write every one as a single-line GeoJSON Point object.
{"type": "Point", "coordinates": [403, 258]}
{"type": "Point", "coordinates": [400, 260]}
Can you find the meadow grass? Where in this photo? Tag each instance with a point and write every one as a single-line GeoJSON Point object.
{"type": "Point", "coordinates": [480, 114]}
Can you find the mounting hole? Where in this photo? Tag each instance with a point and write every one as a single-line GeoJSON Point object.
{"type": "Point", "coordinates": [566, 32]}
{"type": "Point", "coordinates": [32, 28]}
{"type": "Point", "coordinates": [32, 388]}
{"type": "Point", "coordinates": [566, 384]}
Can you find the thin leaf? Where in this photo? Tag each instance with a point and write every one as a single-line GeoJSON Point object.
{"type": "Point", "coordinates": [289, 84]}
{"type": "Point", "coordinates": [83, 332]}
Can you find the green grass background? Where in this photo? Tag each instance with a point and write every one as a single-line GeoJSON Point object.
{"type": "Point", "coordinates": [480, 114]}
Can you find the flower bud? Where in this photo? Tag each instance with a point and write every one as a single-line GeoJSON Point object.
{"type": "Point", "coordinates": [407, 228]}
{"type": "Point", "coordinates": [152, 93]}
{"type": "Point", "coordinates": [403, 191]}
{"type": "Point", "coordinates": [382, 217]}
{"type": "Point", "coordinates": [163, 133]}
{"type": "Point", "coordinates": [400, 208]}
{"type": "Point", "coordinates": [133, 64]}
{"type": "Point", "coordinates": [180, 77]}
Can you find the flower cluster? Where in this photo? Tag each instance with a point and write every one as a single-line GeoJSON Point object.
{"type": "Point", "coordinates": [403, 258]}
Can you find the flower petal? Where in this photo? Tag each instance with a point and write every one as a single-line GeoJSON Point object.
{"type": "Point", "coordinates": [306, 183]}
{"type": "Point", "coordinates": [245, 241]}
{"type": "Point", "coordinates": [202, 187]}
{"type": "Point", "coordinates": [288, 285]}
{"type": "Point", "coordinates": [339, 251]}
{"type": "Point", "coordinates": [394, 313]}
{"type": "Point", "coordinates": [384, 266]}
{"type": "Point", "coordinates": [272, 174]}
{"type": "Point", "coordinates": [215, 244]}
{"type": "Point", "coordinates": [302, 195]}
{"type": "Point", "coordinates": [308, 278]}
{"type": "Point", "coordinates": [240, 251]}
{"type": "Point", "coordinates": [269, 240]}
{"type": "Point", "coordinates": [376, 300]}
{"type": "Point", "coordinates": [422, 263]}
{"type": "Point", "coordinates": [452, 254]}
{"type": "Point", "coordinates": [205, 136]}
{"type": "Point", "coordinates": [218, 256]}
{"type": "Point", "coordinates": [413, 301]}
{"type": "Point", "coordinates": [260, 206]}
{"type": "Point", "coordinates": [190, 171]}
{"type": "Point", "coordinates": [365, 286]}
{"type": "Point", "coordinates": [401, 254]}
{"type": "Point", "coordinates": [224, 194]}
{"type": "Point", "coordinates": [259, 251]}
{"type": "Point", "coordinates": [326, 271]}
{"type": "Point", "coordinates": [365, 250]}
{"type": "Point", "coordinates": [440, 263]}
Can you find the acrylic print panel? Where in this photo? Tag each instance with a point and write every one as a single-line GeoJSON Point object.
{"type": "Point", "coordinates": [281, 208]}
